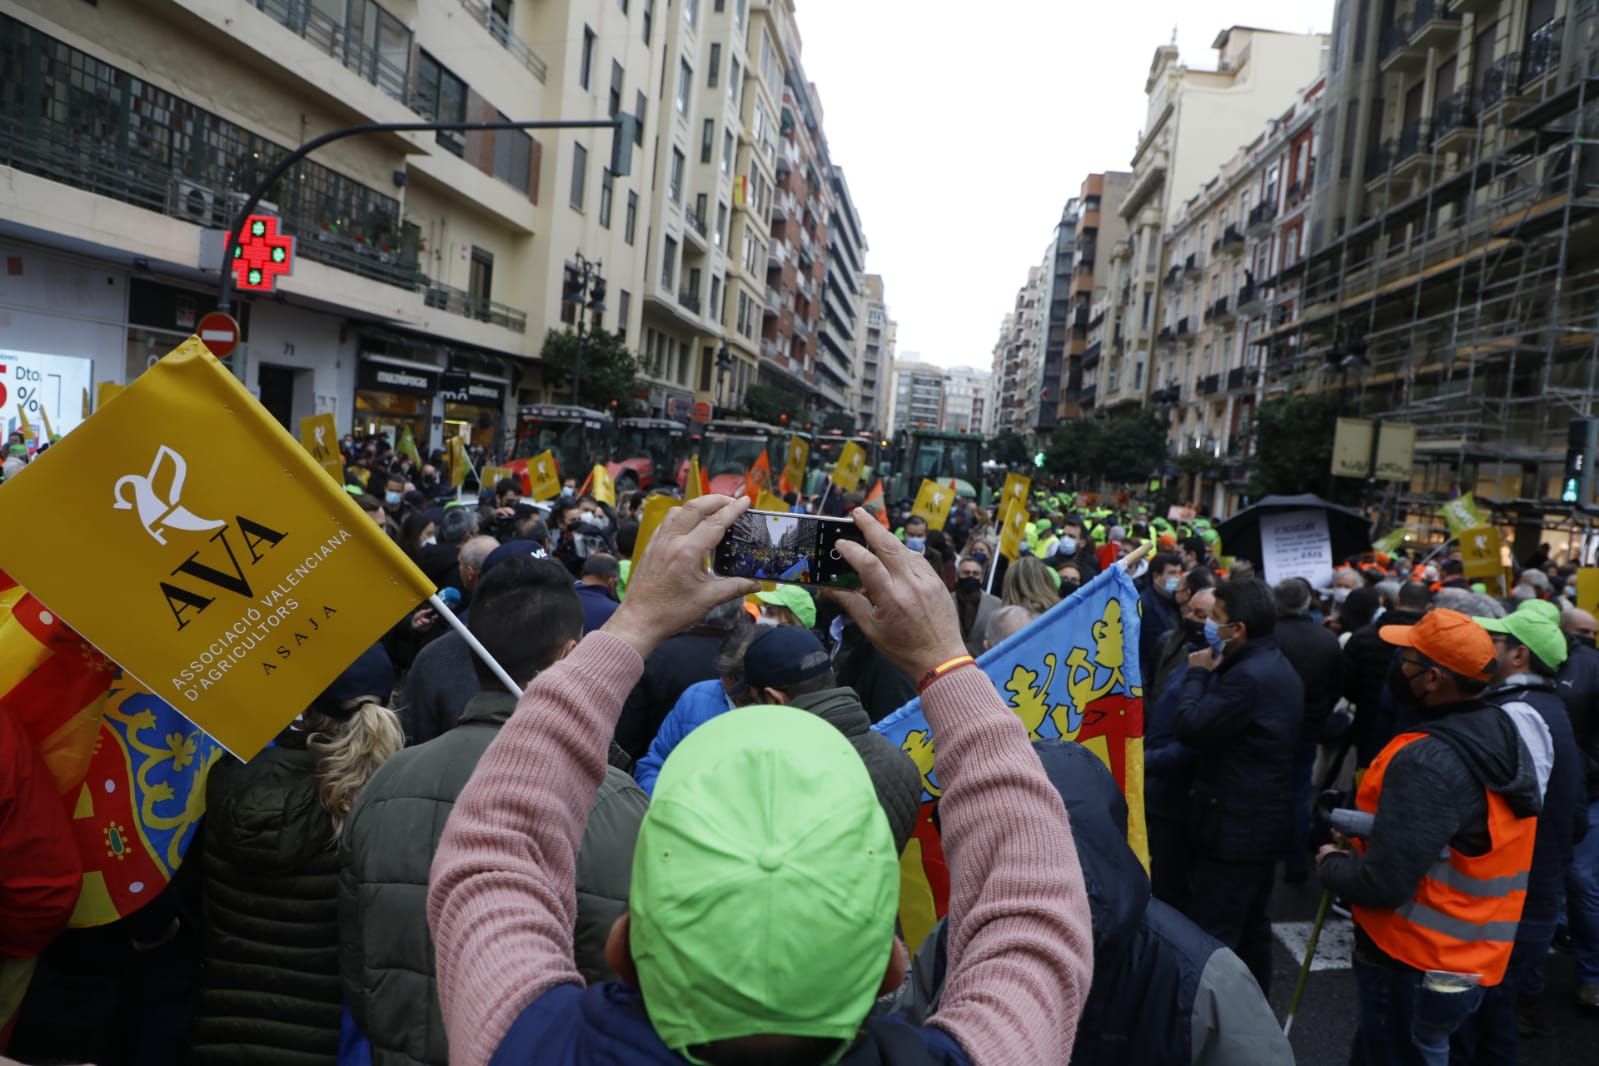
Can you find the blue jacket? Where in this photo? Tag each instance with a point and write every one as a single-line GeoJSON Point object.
{"type": "Point", "coordinates": [699, 703]}
{"type": "Point", "coordinates": [598, 606]}
{"type": "Point", "coordinates": [605, 1025]}
{"type": "Point", "coordinates": [1168, 762]}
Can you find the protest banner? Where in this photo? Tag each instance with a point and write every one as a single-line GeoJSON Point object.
{"type": "Point", "coordinates": [1073, 674]}
{"type": "Point", "coordinates": [1296, 544]}
{"type": "Point", "coordinates": [195, 543]}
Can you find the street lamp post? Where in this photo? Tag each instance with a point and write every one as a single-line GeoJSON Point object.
{"type": "Point", "coordinates": [583, 289]}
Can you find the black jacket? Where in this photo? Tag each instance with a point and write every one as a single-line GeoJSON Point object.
{"type": "Point", "coordinates": [1564, 818]}
{"type": "Point", "coordinates": [1366, 660]}
{"type": "Point", "coordinates": [437, 689]}
{"type": "Point", "coordinates": [1164, 992]}
{"type": "Point", "coordinates": [1157, 616]}
{"type": "Point", "coordinates": [677, 663]}
{"type": "Point", "coordinates": [1314, 654]}
{"type": "Point", "coordinates": [1578, 685]}
{"type": "Point", "coordinates": [1244, 725]}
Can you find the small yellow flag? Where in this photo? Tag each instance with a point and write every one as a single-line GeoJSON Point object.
{"type": "Point", "coordinates": [458, 461]}
{"type": "Point", "coordinates": [768, 502]}
{"type": "Point", "coordinates": [197, 544]}
{"type": "Point", "coordinates": [491, 476]}
{"type": "Point", "coordinates": [795, 461]}
{"type": "Point", "coordinates": [320, 436]}
{"type": "Point", "coordinates": [847, 471]}
{"type": "Point", "coordinates": [86, 410]}
{"type": "Point", "coordinates": [933, 502]}
{"type": "Point", "coordinates": [695, 486]}
{"type": "Point", "coordinates": [544, 475]}
{"type": "Point", "coordinates": [105, 392]}
{"type": "Point", "coordinates": [1479, 552]}
{"type": "Point", "coordinates": [22, 417]}
{"type": "Point", "coordinates": [601, 487]}
{"type": "Point", "coordinates": [1461, 514]}
{"type": "Point", "coordinates": [1012, 532]}
{"type": "Point", "coordinates": [1017, 486]}
{"type": "Point", "coordinates": [44, 413]}
{"type": "Point", "coordinates": [655, 510]}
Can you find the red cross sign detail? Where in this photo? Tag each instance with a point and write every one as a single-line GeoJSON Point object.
{"type": "Point", "coordinates": [261, 254]}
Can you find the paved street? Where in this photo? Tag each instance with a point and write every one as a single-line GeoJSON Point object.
{"type": "Point", "coordinates": [1325, 1026]}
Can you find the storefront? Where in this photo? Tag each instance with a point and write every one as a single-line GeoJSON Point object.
{"type": "Point", "coordinates": [474, 408]}
{"type": "Point", "coordinates": [393, 393]}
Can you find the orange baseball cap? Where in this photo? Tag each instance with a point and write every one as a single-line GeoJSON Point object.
{"type": "Point", "coordinates": [1450, 639]}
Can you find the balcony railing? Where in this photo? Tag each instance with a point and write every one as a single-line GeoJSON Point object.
{"type": "Point", "coordinates": [1260, 219]}
{"type": "Point", "coordinates": [1182, 327]}
{"type": "Point", "coordinates": [1456, 111]}
{"type": "Point", "coordinates": [1378, 160]}
{"type": "Point", "coordinates": [1541, 55]}
{"type": "Point", "coordinates": [500, 30]}
{"type": "Point", "coordinates": [1395, 36]}
{"type": "Point", "coordinates": [457, 302]}
{"type": "Point", "coordinates": [695, 221]}
{"type": "Point", "coordinates": [329, 35]}
{"type": "Point", "coordinates": [1414, 137]}
{"type": "Point", "coordinates": [1499, 81]}
{"type": "Point", "coordinates": [1210, 384]}
{"type": "Point", "coordinates": [689, 301]}
{"type": "Point", "coordinates": [1247, 296]}
{"type": "Point", "coordinates": [1173, 274]}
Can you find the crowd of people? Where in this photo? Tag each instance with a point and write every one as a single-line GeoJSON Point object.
{"type": "Point", "coordinates": [682, 841]}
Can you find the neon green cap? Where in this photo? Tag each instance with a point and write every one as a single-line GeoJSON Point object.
{"type": "Point", "coordinates": [1536, 623]}
{"type": "Point", "coordinates": [764, 884]}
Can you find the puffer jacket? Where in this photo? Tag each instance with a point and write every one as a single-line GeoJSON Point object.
{"type": "Point", "coordinates": [698, 704]}
{"type": "Point", "coordinates": [1164, 992]}
{"type": "Point", "coordinates": [1243, 722]}
{"type": "Point", "coordinates": [270, 971]}
{"type": "Point", "coordinates": [386, 962]}
{"type": "Point", "coordinates": [894, 776]}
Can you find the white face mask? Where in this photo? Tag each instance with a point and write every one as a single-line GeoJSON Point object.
{"type": "Point", "coordinates": [428, 542]}
{"type": "Point", "coordinates": [767, 620]}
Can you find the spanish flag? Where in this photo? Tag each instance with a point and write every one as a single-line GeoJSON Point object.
{"type": "Point", "coordinates": [874, 503]}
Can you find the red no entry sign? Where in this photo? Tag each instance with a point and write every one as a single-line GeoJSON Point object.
{"type": "Point", "coordinates": [218, 332]}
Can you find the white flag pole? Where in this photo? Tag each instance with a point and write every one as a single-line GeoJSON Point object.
{"type": "Point", "coordinates": [472, 642]}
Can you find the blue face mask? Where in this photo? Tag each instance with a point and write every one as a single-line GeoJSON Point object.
{"type": "Point", "coordinates": [1171, 585]}
{"type": "Point", "coordinates": [1068, 545]}
{"type": "Point", "coordinates": [1213, 636]}
{"type": "Point", "coordinates": [916, 544]}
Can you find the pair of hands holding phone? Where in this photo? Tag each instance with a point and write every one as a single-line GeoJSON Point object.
{"type": "Point", "coordinates": [902, 607]}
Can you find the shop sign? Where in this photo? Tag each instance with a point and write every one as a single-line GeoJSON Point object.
{"type": "Point", "coordinates": [463, 388]}
{"type": "Point", "coordinates": [405, 380]}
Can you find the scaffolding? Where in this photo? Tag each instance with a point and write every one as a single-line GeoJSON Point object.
{"type": "Point", "coordinates": [1471, 304]}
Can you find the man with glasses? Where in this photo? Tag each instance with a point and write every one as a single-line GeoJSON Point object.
{"type": "Point", "coordinates": [1438, 882]}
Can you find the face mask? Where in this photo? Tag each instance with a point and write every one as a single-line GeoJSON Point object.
{"type": "Point", "coordinates": [981, 558]}
{"type": "Point", "coordinates": [916, 544]}
{"type": "Point", "coordinates": [1068, 545]}
{"type": "Point", "coordinates": [1194, 632]}
{"type": "Point", "coordinates": [1067, 587]}
{"type": "Point", "coordinates": [1171, 585]}
{"type": "Point", "coordinates": [567, 491]}
{"type": "Point", "coordinates": [969, 586]}
{"type": "Point", "coordinates": [767, 620]}
{"type": "Point", "coordinates": [1212, 634]}
{"type": "Point", "coordinates": [1399, 688]}
{"type": "Point", "coordinates": [393, 498]}
{"type": "Point", "coordinates": [428, 542]}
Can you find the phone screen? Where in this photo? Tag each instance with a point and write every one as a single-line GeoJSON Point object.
{"type": "Point", "coordinates": [798, 549]}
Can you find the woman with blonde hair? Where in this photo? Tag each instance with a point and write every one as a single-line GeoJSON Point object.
{"type": "Point", "coordinates": [1031, 584]}
{"type": "Point", "coordinates": [270, 988]}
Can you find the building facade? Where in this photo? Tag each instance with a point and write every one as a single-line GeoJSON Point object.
{"type": "Point", "coordinates": [1099, 226]}
{"type": "Point", "coordinates": [840, 341]}
{"type": "Point", "coordinates": [1019, 358]}
{"type": "Point", "coordinates": [966, 404]}
{"type": "Point", "coordinates": [874, 389]}
{"type": "Point", "coordinates": [918, 394]}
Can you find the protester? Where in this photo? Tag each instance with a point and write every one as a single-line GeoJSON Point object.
{"type": "Point", "coordinates": [1031, 584]}
{"type": "Point", "coordinates": [1157, 605]}
{"type": "Point", "coordinates": [1005, 623]}
{"type": "Point", "coordinates": [1462, 783]}
{"type": "Point", "coordinates": [678, 662]}
{"type": "Point", "coordinates": [1528, 650]}
{"type": "Point", "coordinates": [787, 605]}
{"type": "Point", "coordinates": [1240, 710]}
{"type": "Point", "coordinates": [1368, 661]}
{"type": "Point", "coordinates": [973, 606]}
{"type": "Point", "coordinates": [270, 976]}
{"type": "Point", "coordinates": [1578, 684]}
{"type": "Point", "coordinates": [1164, 991]}
{"type": "Point", "coordinates": [596, 589]}
{"type": "Point", "coordinates": [764, 826]}
{"type": "Point", "coordinates": [528, 618]}
{"type": "Point", "coordinates": [1314, 654]}
{"type": "Point", "coordinates": [916, 533]}
{"type": "Point", "coordinates": [1182, 640]}
{"type": "Point", "coordinates": [441, 561]}
{"type": "Point", "coordinates": [1169, 763]}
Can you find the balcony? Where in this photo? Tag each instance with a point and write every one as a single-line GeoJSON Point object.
{"type": "Point", "coordinates": [329, 35]}
{"type": "Point", "coordinates": [1220, 312]}
{"type": "Point", "coordinates": [1210, 385]}
{"type": "Point", "coordinates": [1261, 217]}
{"type": "Point", "coordinates": [1251, 299]}
{"type": "Point", "coordinates": [1454, 123]}
{"type": "Point", "coordinates": [1091, 355]}
{"type": "Point", "coordinates": [500, 30]}
{"type": "Point", "coordinates": [1412, 150]}
{"type": "Point", "coordinates": [774, 301]}
{"type": "Point", "coordinates": [689, 301]}
{"type": "Point", "coordinates": [1182, 327]}
{"type": "Point", "coordinates": [457, 302]}
{"type": "Point", "coordinates": [1467, 7]}
{"type": "Point", "coordinates": [1193, 262]}
{"type": "Point", "coordinates": [1541, 54]}
{"type": "Point", "coordinates": [1378, 161]}
{"type": "Point", "coordinates": [1232, 241]}
{"type": "Point", "coordinates": [1172, 275]}
{"type": "Point", "coordinates": [1431, 24]}
{"type": "Point", "coordinates": [1395, 53]}
{"type": "Point", "coordinates": [1501, 82]}
{"type": "Point", "coordinates": [1167, 335]}
{"type": "Point", "coordinates": [696, 224]}
{"type": "Point", "coordinates": [1240, 378]}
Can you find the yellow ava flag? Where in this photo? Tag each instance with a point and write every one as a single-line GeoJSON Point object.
{"type": "Point", "coordinates": [656, 508]}
{"type": "Point", "coordinates": [1013, 528]}
{"type": "Point", "coordinates": [105, 392]}
{"type": "Point", "coordinates": [544, 475]}
{"type": "Point", "coordinates": [933, 502]}
{"type": "Point", "coordinates": [767, 502]}
{"type": "Point", "coordinates": [795, 461]}
{"type": "Point", "coordinates": [847, 471]}
{"type": "Point", "coordinates": [1017, 486]}
{"type": "Point", "coordinates": [694, 484]}
{"type": "Point", "coordinates": [196, 543]}
{"type": "Point", "coordinates": [320, 436]}
{"type": "Point", "coordinates": [600, 485]}
{"type": "Point", "coordinates": [458, 461]}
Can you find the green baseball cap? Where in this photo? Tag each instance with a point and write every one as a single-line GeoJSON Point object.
{"type": "Point", "coordinates": [764, 886]}
{"type": "Point", "coordinates": [1536, 623]}
{"type": "Point", "coordinates": [795, 599]}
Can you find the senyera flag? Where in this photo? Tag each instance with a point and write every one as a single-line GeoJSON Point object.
{"type": "Point", "coordinates": [190, 539]}
{"type": "Point", "coordinates": [1073, 674]}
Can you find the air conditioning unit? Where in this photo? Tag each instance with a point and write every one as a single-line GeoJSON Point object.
{"type": "Point", "coordinates": [194, 202]}
{"type": "Point", "coordinates": [235, 200]}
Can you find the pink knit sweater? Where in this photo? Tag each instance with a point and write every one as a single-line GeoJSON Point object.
{"type": "Point", "coordinates": [502, 902]}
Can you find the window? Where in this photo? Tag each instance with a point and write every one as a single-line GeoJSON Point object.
{"type": "Point", "coordinates": [668, 263]}
{"type": "Point", "coordinates": [694, 283]}
{"type": "Point", "coordinates": [716, 66]}
{"type": "Point", "coordinates": [727, 151]}
{"type": "Point", "coordinates": [615, 103]}
{"type": "Point", "coordinates": [580, 170]}
{"type": "Point", "coordinates": [630, 222]}
{"type": "Point", "coordinates": [481, 283]}
{"type": "Point", "coordinates": [739, 10]}
{"type": "Point", "coordinates": [440, 96]}
{"type": "Point", "coordinates": [715, 308]}
{"type": "Point", "coordinates": [721, 6]}
{"type": "Point", "coordinates": [674, 180]}
{"type": "Point", "coordinates": [685, 85]}
{"type": "Point", "coordinates": [649, 19]}
{"type": "Point", "coordinates": [606, 192]}
{"type": "Point", "coordinates": [586, 63]}
{"type": "Point", "coordinates": [691, 13]}
{"type": "Point", "coordinates": [721, 225]}
{"type": "Point", "coordinates": [708, 140]}
{"type": "Point", "coordinates": [733, 79]}
{"type": "Point", "coordinates": [513, 156]}
{"type": "Point", "coordinates": [624, 304]}
{"type": "Point", "coordinates": [640, 104]}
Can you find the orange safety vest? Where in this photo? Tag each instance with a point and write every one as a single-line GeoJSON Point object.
{"type": "Point", "coordinates": [1463, 915]}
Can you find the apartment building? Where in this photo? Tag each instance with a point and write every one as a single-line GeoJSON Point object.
{"type": "Point", "coordinates": [427, 266]}
{"type": "Point", "coordinates": [874, 391]}
{"type": "Point", "coordinates": [1055, 328]}
{"type": "Point", "coordinates": [1019, 363]}
{"type": "Point", "coordinates": [918, 393]}
{"type": "Point", "coordinates": [966, 399]}
{"type": "Point", "coordinates": [1099, 225]}
{"type": "Point", "coordinates": [840, 341]}
{"type": "Point", "coordinates": [1451, 281]}
{"type": "Point", "coordinates": [1196, 119]}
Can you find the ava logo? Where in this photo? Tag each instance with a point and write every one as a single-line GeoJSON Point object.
{"type": "Point", "coordinates": [159, 510]}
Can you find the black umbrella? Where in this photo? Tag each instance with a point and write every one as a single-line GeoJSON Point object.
{"type": "Point", "coordinates": [1348, 529]}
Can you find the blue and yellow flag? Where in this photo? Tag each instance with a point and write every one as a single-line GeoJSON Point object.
{"type": "Point", "coordinates": [1072, 674]}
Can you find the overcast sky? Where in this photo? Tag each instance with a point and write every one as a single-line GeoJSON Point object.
{"type": "Point", "coordinates": [964, 128]}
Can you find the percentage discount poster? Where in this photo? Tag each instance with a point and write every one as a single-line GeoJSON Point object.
{"type": "Point", "coordinates": [37, 387]}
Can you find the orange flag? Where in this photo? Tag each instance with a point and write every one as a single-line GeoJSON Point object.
{"type": "Point", "coordinates": [759, 478]}
{"type": "Point", "coordinates": [874, 503]}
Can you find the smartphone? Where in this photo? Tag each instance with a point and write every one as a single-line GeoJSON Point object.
{"type": "Point", "coordinates": [797, 549]}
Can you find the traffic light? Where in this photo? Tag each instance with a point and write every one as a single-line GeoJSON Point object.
{"type": "Point", "coordinates": [1581, 437]}
{"type": "Point", "coordinates": [597, 295]}
{"type": "Point", "coordinates": [622, 144]}
{"type": "Point", "coordinates": [1038, 460]}
{"type": "Point", "coordinates": [571, 293]}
